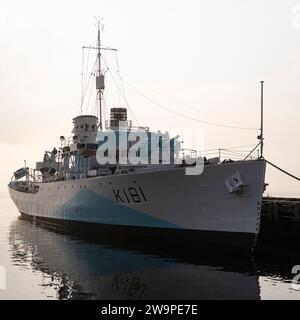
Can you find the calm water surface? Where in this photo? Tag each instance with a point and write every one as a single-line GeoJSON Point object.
{"type": "Point", "coordinates": [39, 262]}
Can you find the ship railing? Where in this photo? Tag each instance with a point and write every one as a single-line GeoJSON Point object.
{"type": "Point", "coordinates": [24, 186]}
{"type": "Point", "coordinates": [139, 128]}
{"type": "Point", "coordinates": [189, 153]}
{"type": "Point", "coordinates": [112, 124]}
{"type": "Point", "coordinates": [230, 154]}
{"type": "Point", "coordinates": [188, 156]}
{"type": "Point", "coordinates": [218, 155]}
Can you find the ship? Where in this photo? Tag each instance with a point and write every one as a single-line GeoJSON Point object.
{"type": "Point", "coordinates": [178, 196]}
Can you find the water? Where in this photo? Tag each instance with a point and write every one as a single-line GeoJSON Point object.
{"type": "Point", "coordinates": [39, 262]}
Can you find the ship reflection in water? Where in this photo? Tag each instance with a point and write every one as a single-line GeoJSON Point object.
{"type": "Point", "coordinates": [87, 267]}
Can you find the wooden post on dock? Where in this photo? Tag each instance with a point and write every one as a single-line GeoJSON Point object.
{"type": "Point", "coordinates": [276, 208]}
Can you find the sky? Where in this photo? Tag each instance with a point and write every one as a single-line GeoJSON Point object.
{"type": "Point", "coordinates": [204, 59]}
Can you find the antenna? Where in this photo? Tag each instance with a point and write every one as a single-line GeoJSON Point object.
{"type": "Point", "coordinates": [261, 136]}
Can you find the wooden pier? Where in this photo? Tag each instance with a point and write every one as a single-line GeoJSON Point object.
{"type": "Point", "coordinates": [277, 208]}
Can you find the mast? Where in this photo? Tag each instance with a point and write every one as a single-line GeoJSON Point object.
{"type": "Point", "coordinates": [100, 76]}
{"type": "Point", "coordinates": [100, 81]}
{"type": "Point", "coordinates": [261, 137]}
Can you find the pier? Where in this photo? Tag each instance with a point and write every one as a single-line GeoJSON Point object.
{"type": "Point", "coordinates": [277, 208]}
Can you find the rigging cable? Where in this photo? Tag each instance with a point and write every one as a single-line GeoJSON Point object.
{"type": "Point", "coordinates": [236, 147]}
{"type": "Point", "coordinates": [87, 65]}
{"type": "Point", "coordinates": [122, 86]}
{"type": "Point", "coordinates": [124, 98]}
{"type": "Point", "coordinates": [197, 109]}
{"type": "Point", "coordinates": [82, 68]}
{"type": "Point", "coordinates": [86, 88]}
{"type": "Point", "coordinates": [123, 92]}
{"type": "Point", "coordinates": [89, 98]}
{"type": "Point", "coordinates": [183, 115]}
{"type": "Point", "coordinates": [84, 76]}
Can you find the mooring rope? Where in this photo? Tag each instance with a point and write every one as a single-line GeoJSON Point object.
{"type": "Point", "coordinates": [289, 174]}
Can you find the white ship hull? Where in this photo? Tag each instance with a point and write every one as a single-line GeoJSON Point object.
{"type": "Point", "coordinates": [163, 200]}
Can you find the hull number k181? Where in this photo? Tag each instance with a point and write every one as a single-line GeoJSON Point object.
{"type": "Point", "coordinates": [129, 195]}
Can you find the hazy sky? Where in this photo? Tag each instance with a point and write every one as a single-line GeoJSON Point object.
{"type": "Point", "coordinates": [201, 58]}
